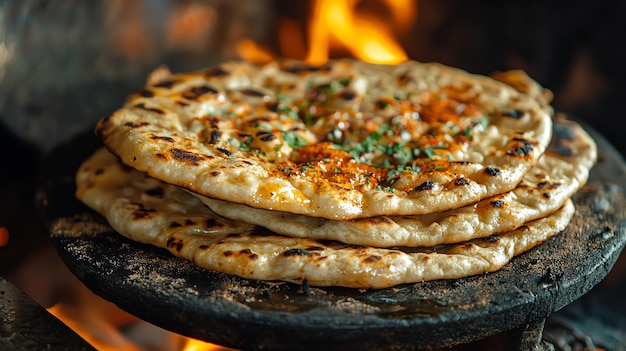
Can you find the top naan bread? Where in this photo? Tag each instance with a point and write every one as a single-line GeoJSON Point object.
{"type": "Point", "coordinates": [340, 141]}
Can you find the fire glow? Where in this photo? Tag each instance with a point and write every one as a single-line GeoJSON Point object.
{"type": "Point", "coordinates": [336, 23]}
{"type": "Point", "coordinates": [103, 330]}
{"type": "Point", "coordinates": [336, 26]}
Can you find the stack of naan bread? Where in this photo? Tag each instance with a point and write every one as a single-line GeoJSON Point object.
{"type": "Point", "coordinates": [346, 174]}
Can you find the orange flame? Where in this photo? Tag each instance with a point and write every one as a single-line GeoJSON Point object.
{"type": "Point", "coordinates": [253, 52]}
{"type": "Point", "coordinates": [198, 345]}
{"type": "Point", "coordinates": [94, 329]}
{"type": "Point", "coordinates": [336, 23]}
{"type": "Point", "coordinates": [404, 13]}
{"type": "Point", "coordinates": [98, 322]}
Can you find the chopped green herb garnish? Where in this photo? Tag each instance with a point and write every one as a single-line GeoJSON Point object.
{"type": "Point", "coordinates": [289, 112]}
{"type": "Point", "coordinates": [293, 140]}
{"type": "Point", "coordinates": [467, 132]}
{"type": "Point", "coordinates": [244, 147]}
{"type": "Point", "coordinates": [483, 122]}
{"type": "Point", "coordinates": [429, 152]}
{"type": "Point", "coordinates": [345, 81]}
{"type": "Point", "coordinates": [394, 172]}
{"type": "Point", "coordinates": [382, 104]}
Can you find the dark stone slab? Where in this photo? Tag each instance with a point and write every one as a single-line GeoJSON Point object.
{"type": "Point", "coordinates": [176, 295]}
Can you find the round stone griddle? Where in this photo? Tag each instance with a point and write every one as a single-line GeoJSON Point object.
{"type": "Point", "coordinates": [174, 294]}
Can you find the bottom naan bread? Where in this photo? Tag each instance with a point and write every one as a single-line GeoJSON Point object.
{"type": "Point", "coordinates": [149, 211]}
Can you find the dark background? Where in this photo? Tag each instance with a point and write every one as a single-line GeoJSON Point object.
{"type": "Point", "coordinates": [64, 64]}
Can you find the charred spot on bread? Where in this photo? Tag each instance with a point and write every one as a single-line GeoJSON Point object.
{"type": "Point", "coordinates": [175, 225]}
{"type": "Point", "coordinates": [136, 125]}
{"type": "Point", "coordinates": [212, 223]}
{"type": "Point", "coordinates": [515, 114]}
{"type": "Point", "coordinates": [225, 151]}
{"type": "Point", "coordinates": [252, 92]}
{"type": "Point", "coordinates": [143, 106]}
{"type": "Point", "coordinates": [164, 138]}
{"type": "Point", "coordinates": [141, 212]}
{"type": "Point", "coordinates": [523, 147]}
{"type": "Point", "coordinates": [347, 95]}
{"type": "Point", "coordinates": [194, 93]}
{"type": "Point", "coordinates": [214, 137]}
{"type": "Point", "coordinates": [175, 244]}
{"type": "Point", "coordinates": [306, 68]}
{"type": "Point", "coordinates": [497, 203]}
{"type": "Point", "coordinates": [372, 259]}
{"type": "Point", "coordinates": [186, 156]}
{"type": "Point", "coordinates": [493, 239]}
{"type": "Point", "coordinates": [297, 252]}
{"type": "Point", "coordinates": [427, 185]}
{"type": "Point", "coordinates": [492, 171]}
{"type": "Point", "coordinates": [461, 181]}
{"type": "Point", "coordinates": [548, 185]}
{"type": "Point", "coordinates": [216, 72]}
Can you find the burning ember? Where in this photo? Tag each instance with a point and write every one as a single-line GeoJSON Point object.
{"type": "Point", "coordinates": [4, 236]}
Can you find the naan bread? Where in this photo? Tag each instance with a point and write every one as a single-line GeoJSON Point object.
{"type": "Point", "coordinates": [340, 141]}
{"type": "Point", "coordinates": [562, 171]}
{"type": "Point", "coordinates": [519, 80]}
{"type": "Point", "coordinates": [153, 212]}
